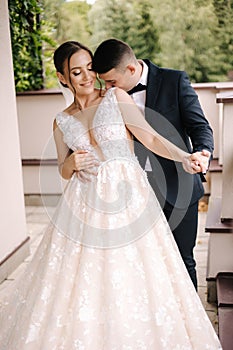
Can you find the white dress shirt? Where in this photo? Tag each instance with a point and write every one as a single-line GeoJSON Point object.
{"type": "Point", "coordinates": [139, 98]}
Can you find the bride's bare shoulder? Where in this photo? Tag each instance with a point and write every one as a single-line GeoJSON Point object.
{"type": "Point", "coordinates": [122, 95]}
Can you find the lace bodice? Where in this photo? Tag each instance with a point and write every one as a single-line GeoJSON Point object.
{"type": "Point", "coordinates": [108, 130]}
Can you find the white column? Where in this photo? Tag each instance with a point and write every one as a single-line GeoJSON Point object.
{"type": "Point", "coordinates": [13, 233]}
{"type": "Point", "coordinates": [220, 133]}
{"type": "Point", "coordinates": [227, 141]}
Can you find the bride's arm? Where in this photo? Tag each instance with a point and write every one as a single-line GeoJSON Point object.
{"type": "Point", "coordinates": [68, 162]}
{"type": "Point", "coordinates": [138, 126]}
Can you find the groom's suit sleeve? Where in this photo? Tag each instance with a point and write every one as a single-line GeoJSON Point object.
{"type": "Point", "coordinates": [193, 119]}
{"type": "Point", "coordinates": [173, 110]}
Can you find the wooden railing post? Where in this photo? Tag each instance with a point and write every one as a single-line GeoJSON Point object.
{"type": "Point", "coordinates": [227, 155]}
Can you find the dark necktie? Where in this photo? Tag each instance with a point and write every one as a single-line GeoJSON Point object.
{"type": "Point", "coordinates": [137, 88]}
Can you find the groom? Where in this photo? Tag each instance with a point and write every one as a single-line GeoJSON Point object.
{"type": "Point", "coordinates": [171, 107]}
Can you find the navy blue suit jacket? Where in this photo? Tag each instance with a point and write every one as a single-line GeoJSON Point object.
{"type": "Point", "coordinates": [173, 110]}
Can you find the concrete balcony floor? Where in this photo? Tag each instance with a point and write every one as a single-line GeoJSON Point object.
{"type": "Point", "coordinates": [38, 218]}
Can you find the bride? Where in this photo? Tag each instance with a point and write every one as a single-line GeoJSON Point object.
{"type": "Point", "coordinates": [107, 274]}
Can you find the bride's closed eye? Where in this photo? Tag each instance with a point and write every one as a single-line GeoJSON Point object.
{"type": "Point", "coordinates": [76, 73]}
{"type": "Point", "coordinates": [89, 67]}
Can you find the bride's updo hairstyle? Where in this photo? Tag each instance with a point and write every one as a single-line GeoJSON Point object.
{"type": "Point", "coordinates": [62, 55]}
{"type": "Point", "coordinates": [64, 52]}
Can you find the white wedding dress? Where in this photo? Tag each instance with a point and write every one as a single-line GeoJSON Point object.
{"type": "Point", "coordinates": [107, 274]}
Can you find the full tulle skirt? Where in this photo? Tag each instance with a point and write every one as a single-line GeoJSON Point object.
{"type": "Point", "coordinates": [107, 275]}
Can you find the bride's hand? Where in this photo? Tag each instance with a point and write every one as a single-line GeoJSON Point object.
{"type": "Point", "coordinates": [188, 165]}
{"type": "Point", "coordinates": [84, 164]}
{"type": "Point", "coordinates": [196, 162]}
{"type": "Point", "coordinates": [82, 160]}
{"type": "Point", "coordinates": [86, 175]}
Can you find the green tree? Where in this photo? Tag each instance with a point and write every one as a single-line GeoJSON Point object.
{"type": "Point", "coordinates": [63, 21]}
{"type": "Point", "coordinates": [224, 35]}
{"type": "Point", "coordinates": [187, 37]}
{"type": "Point", "coordinates": [143, 35]}
{"type": "Point", "coordinates": [194, 35]}
{"type": "Point", "coordinates": [26, 43]}
{"type": "Point", "coordinates": [110, 18]}
{"type": "Point", "coordinates": [73, 23]}
{"type": "Point", "coordinates": [128, 21]}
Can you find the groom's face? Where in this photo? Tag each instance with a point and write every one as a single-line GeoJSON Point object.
{"type": "Point", "coordinates": [117, 77]}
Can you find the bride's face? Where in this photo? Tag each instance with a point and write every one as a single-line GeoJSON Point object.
{"type": "Point", "coordinates": [79, 75]}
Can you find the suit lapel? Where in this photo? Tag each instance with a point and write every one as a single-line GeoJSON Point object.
{"type": "Point", "coordinates": [153, 85]}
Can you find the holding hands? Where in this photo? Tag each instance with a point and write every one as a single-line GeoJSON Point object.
{"type": "Point", "coordinates": [85, 164]}
{"type": "Point", "coordinates": [197, 162]}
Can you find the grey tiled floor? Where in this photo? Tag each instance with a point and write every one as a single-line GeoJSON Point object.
{"type": "Point", "coordinates": [38, 218]}
{"type": "Point", "coordinates": [200, 253]}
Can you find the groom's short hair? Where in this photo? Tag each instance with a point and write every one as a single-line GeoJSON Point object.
{"type": "Point", "coordinates": [112, 53]}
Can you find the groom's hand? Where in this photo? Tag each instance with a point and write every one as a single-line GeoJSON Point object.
{"type": "Point", "coordinates": [197, 162]}
{"type": "Point", "coordinates": [200, 161]}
